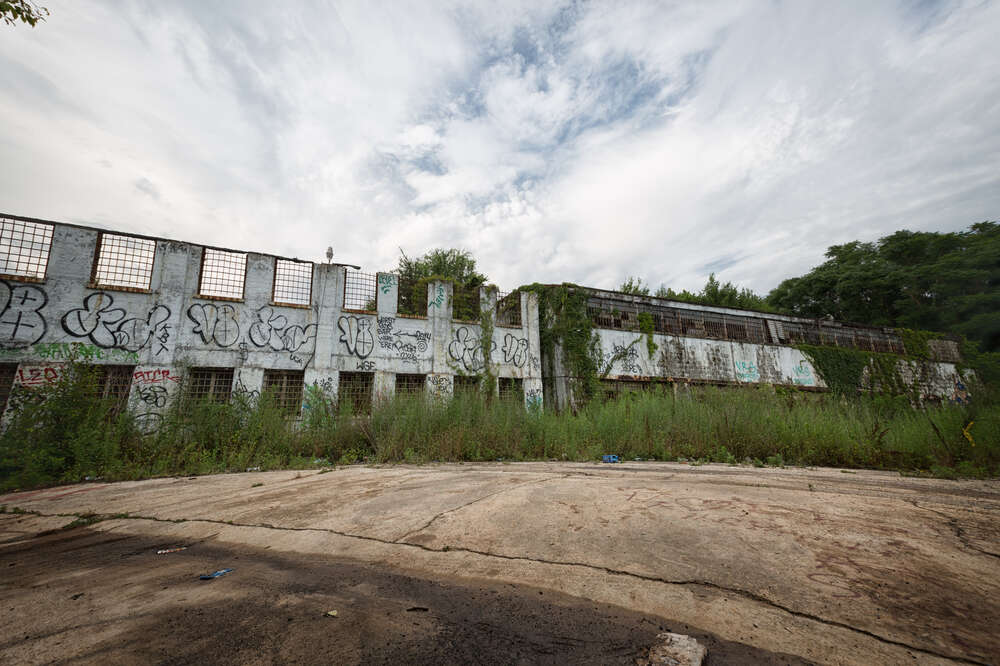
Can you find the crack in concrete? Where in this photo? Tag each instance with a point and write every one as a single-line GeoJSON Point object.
{"type": "Point", "coordinates": [480, 499]}
{"type": "Point", "coordinates": [957, 529]}
{"type": "Point", "coordinates": [752, 596]}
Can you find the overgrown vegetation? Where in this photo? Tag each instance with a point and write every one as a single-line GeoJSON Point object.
{"type": "Point", "coordinates": [61, 433]}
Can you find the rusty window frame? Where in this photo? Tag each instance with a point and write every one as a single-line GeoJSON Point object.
{"type": "Point", "coordinates": [25, 248]}
{"type": "Point", "coordinates": [465, 385]}
{"type": "Point", "coordinates": [360, 292]}
{"type": "Point", "coordinates": [510, 388]}
{"type": "Point", "coordinates": [293, 282]}
{"type": "Point", "coordinates": [509, 309]}
{"type": "Point", "coordinates": [8, 372]}
{"type": "Point", "coordinates": [210, 384]}
{"type": "Point", "coordinates": [123, 262]}
{"type": "Point", "coordinates": [286, 387]}
{"type": "Point", "coordinates": [221, 271]}
{"type": "Point", "coordinates": [465, 303]}
{"type": "Point", "coordinates": [354, 391]}
{"type": "Point", "coordinates": [410, 383]}
{"type": "Point", "coordinates": [113, 383]}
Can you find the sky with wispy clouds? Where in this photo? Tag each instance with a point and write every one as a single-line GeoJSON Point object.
{"type": "Point", "coordinates": [578, 142]}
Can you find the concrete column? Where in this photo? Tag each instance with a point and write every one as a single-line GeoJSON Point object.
{"type": "Point", "coordinates": [439, 297]}
{"type": "Point", "coordinates": [328, 299]}
{"type": "Point", "coordinates": [533, 393]}
{"type": "Point", "coordinates": [387, 294]}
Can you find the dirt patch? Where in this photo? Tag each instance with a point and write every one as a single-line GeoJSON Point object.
{"type": "Point", "coordinates": [84, 596]}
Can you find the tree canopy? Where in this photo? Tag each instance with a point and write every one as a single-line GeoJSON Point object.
{"type": "Point", "coordinates": [713, 293]}
{"type": "Point", "coordinates": [25, 11]}
{"type": "Point", "coordinates": [947, 282]}
{"type": "Point", "coordinates": [452, 264]}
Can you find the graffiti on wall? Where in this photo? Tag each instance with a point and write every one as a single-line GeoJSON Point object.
{"type": "Point", "coordinates": [440, 385]}
{"type": "Point", "coordinates": [533, 398]}
{"type": "Point", "coordinates": [628, 357]}
{"type": "Point", "coordinates": [21, 320]}
{"type": "Point", "coordinates": [467, 350]}
{"type": "Point", "coordinates": [215, 323]}
{"type": "Point", "coordinates": [386, 281]}
{"type": "Point", "coordinates": [69, 351]}
{"type": "Point", "coordinates": [152, 396]}
{"type": "Point", "coordinates": [356, 334]}
{"type": "Point", "coordinates": [802, 375]}
{"type": "Point", "coordinates": [109, 327]}
{"type": "Point", "coordinates": [515, 350]}
{"type": "Point", "coordinates": [438, 300]}
{"type": "Point", "coordinates": [38, 375]}
{"type": "Point", "coordinates": [157, 376]}
{"type": "Point", "coordinates": [408, 345]}
{"type": "Point", "coordinates": [746, 371]}
{"type": "Point", "coordinates": [272, 330]}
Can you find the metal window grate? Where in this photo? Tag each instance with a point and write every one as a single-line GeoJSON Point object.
{"type": "Point", "coordinates": [211, 384]}
{"type": "Point", "coordinates": [412, 297]}
{"type": "Point", "coordinates": [286, 388]}
{"type": "Point", "coordinates": [24, 248]}
{"type": "Point", "coordinates": [355, 392]}
{"type": "Point", "coordinates": [359, 291]}
{"type": "Point", "coordinates": [410, 384]}
{"type": "Point", "coordinates": [222, 274]}
{"type": "Point", "coordinates": [466, 385]}
{"type": "Point", "coordinates": [465, 303]}
{"type": "Point", "coordinates": [509, 309]}
{"type": "Point", "coordinates": [292, 282]}
{"type": "Point", "coordinates": [113, 384]}
{"type": "Point", "coordinates": [511, 388]}
{"type": "Point", "coordinates": [123, 261]}
{"type": "Point", "coordinates": [8, 371]}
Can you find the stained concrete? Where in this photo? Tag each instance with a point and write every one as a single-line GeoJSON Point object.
{"type": "Point", "coordinates": [827, 566]}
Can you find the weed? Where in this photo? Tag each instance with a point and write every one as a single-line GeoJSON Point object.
{"type": "Point", "coordinates": [258, 485]}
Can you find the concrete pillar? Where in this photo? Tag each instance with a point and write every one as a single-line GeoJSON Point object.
{"type": "Point", "coordinates": [387, 294]}
{"type": "Point", "coordinates": [439, 297]}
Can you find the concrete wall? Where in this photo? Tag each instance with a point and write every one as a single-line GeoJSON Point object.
{"type": "Point", "coordinates": [168, 328]}
{"type": "Point", "coordinates": [702, 360]}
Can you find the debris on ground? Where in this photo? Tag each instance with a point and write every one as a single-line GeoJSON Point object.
{"type": "Point", "coordinates": [220, 572]}
{"type": "Point", "coordinates": [331, 613]}
{"type": "Point", "coordinates": [609, 459]}
{"type": "Point", "coordinates": [171, 550]}
{"type": "Point", "coordinates": [676, 650]}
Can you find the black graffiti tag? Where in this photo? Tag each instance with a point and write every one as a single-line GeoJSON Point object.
{"type": "Point", "coordinates": [109, 327]}
{"type": "Point", "coordinates": [356, 334]}
{"type": "Point", "coordinates": [215, 323]}
{"type": "Point", "coordinates": [515, 350]}
{"type": "Point", "coordinates": [21, 321]}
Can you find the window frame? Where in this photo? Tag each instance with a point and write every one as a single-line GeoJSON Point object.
{"type": "Point", "coordinates": [50, 237]}
{"type": "Point", "coordinates": [282, 396]}
{"type": "Point", "coordinates": [274, 284]}
{"type": "Point", "coordinates": [96, 284]}
{"type": "Point", "coordinates": [201, 275]}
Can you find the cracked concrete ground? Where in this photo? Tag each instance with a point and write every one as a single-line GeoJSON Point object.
{"type": "Point", "coordinates": [830, 567]}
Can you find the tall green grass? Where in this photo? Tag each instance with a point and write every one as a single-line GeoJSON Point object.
{"type": "Point", "coordinates": [61, 434]}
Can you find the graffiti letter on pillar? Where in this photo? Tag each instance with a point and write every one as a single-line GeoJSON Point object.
{"type": "Point", "coordinates": [515, 350]}
{"type": "Point", "coordinates": [467, 349]}
{"type": "Point", "coordinates": [215, 323]}
{"type": "Point", "coordinates": [21, 322]}
{"type": "Point", "coordinates": [108, 327]}
{"type": "Point", "coordinates": [356, 334]}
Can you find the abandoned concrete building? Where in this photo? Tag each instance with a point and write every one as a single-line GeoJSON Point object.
{"type": "Point", "coordinates": [158, 317]}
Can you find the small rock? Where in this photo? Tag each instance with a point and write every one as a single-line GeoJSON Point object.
{"type": "Point", "coordinates": [331, 613]}
{"type": "Point", "coordinates": [676, 650]}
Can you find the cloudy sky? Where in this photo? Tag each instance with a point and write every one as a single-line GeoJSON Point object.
{"type": "Point", "coordinates": [578, 142]}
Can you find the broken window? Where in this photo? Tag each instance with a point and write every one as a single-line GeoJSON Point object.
{"type": "Point", "coordinates": [410, 384]}
{"type": "Point", "coordinates": [112, 383]}
{"type": "Point", "coordinates": [412, 299]}
{"type": "Point", "coordinates": [24, 248]}
{"type": "Point", "coordinates": [466, 384]}
{"type": "Point", "coordinates": [123, 262]}
{"type": "Point", "coordinates": [465, 303]}
{"type": "Point", "coordinates": [8, 371]}
{"type": "Point", "coordinates": [223, 274]}
{"type": "Point", "coordinates": [511, 388]}
{"type": "Point", "coordinates": [359, 291]}
{"type": "Point", "coordinates": [286, 388]}
{"type": "Point", "coordinates": [292, 282]}
{"type": "Point", "coordinates": [210, 384]}
{"type": "Point", "coordinates": [509, 309]}
{"type": "Point", "coordinates": [355, 392]}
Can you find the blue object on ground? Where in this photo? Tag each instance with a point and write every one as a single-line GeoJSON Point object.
{"type": "Point", "coordinates": [220, 572]}
{"type": "Point", "coordinates": [610, 459]}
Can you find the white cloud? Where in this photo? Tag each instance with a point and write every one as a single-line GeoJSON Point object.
{"type": "Point", "coordinates": [579, 143]}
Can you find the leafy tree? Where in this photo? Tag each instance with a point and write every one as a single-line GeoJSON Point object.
{"type": "Point", "coordinates": [634, 285]}
{"type": "Point", "coordinates": [714, 293]}
{"type": "Point", "coordinates": [947, 282]}
{"type": "Point", "coordinates": [459, 266]}
{"type": "Point", "coordinates": [25, 11]}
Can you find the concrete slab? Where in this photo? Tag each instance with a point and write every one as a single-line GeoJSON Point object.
{"type": "Point", "coordinates": [833, 567]}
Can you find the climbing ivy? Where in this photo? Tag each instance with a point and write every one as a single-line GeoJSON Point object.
{"type": "Point", "coordinates": [915, 342]}
{"type": "Point", "coordinates": [487, 377]}
{"type": "Point", "coordinates": [646, 327]}
{"type": "Point", "coordinates": [563, 321]}
{"type": "Point", "coordinates": [843, 370]}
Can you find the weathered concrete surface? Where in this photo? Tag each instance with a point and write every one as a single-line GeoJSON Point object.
{"type": "Point", "coordinates": [833, 567]}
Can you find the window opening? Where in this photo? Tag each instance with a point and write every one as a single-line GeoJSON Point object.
{"type": "Point", "coordinates": [355, 392]}
{"type": "Point", "coordinates": [123, 261]}
{"type": "Point", "coordinates": [113, 384]}
{"type": "Point", "coordinates": [509, 309]}
{"type": "Point", "coordinates": [292, 282]}
{"type": "Point", "coordinates": [24, 248]}
{"type": "Point", "coordinates": [211, 384]}
{"type": "Point", "coordinates": [359, 291]}
{"type": "Point", "coordinates": [286, 388]}
{"type": "Point", "coordinates": [511, 388]}
{"type": "Point", "coordinates": [222, 274]}
{"type": "Point", "coordinates": [410, 384]}
{"type": "Point", "coordinates": [466, 385]}
{"type": "Point", "coordinates": [465, 303]}
{"type": "Point", "coordinates": [8, 371]}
